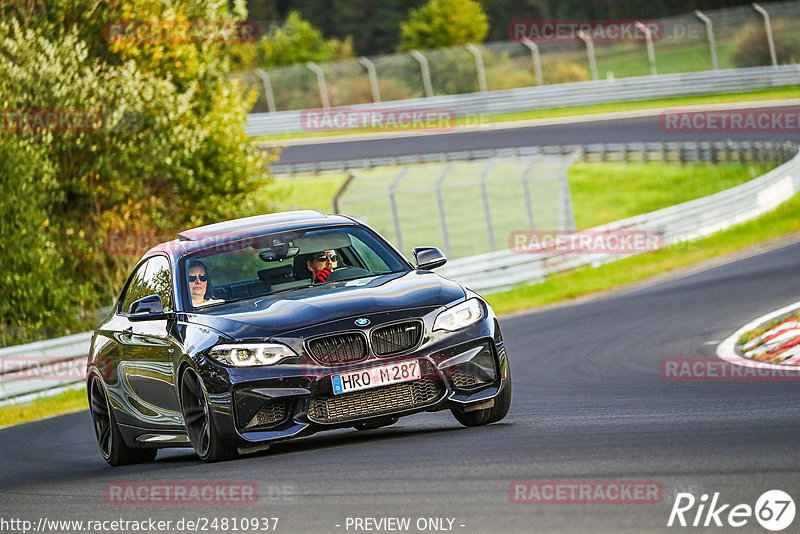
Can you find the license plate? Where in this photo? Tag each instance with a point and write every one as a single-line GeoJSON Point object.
{"type": "Point", "coordinates": [381, 375]}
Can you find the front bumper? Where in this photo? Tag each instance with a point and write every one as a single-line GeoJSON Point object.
{"type": "Point", "coordinates": [259, 404]}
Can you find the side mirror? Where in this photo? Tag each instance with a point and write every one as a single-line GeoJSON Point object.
{"type": "Point", "coordinates": [429, 257]}
{"type": "Point", "coordinates": [147, 309]}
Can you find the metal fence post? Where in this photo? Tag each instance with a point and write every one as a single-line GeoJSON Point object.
{"type": "Point", "coordinates": [393, 202]}
{"type": "Point", "coordinates": [487, 210]}
{"type": "Point", "coordinates": [651, 54]}
{"type": "Point", "coordinates": [373, 78]}
{"type": "Point", "coordinates": [590, 52]}
{"type": "Point", "coordinates": [537, 60]}
{"type": "Point", "coordinates": [711, 43]}
{"type": "Point", "coordinates": [323, 87]}
{"type": "Point", "coordinates": [426, 72]}
{"type": "Point", "coordinates": [567, 215]}
{"type": "Point", "coordinates": [526, 191]}
{"type": "Point", "coordinates": [770, 40]}
{"type": "Point", "coordinates": [340, 192]}
{"type": "Point", "coordinates": [448, 247]}
{"type": "Point", "coordinates": [476, 53]}
{"type": "Point", "coordinates": [267, 82]}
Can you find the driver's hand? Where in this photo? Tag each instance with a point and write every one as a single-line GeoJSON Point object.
{"type": "Point", "coordinates": [322, 275]}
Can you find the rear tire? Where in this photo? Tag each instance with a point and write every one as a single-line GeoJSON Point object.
{"type": "Point", "coordinates": [199, 422]}
{"type": "Point", "coordinates": [109, 438]}
{"type": "Point", "coordinates": [490, 415]}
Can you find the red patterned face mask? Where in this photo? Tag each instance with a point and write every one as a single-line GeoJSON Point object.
{"type": "Point", "coordinates": [323, 275]}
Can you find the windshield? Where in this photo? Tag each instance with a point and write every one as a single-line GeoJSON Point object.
{"type": "Point", "coordinates": [272, 263]}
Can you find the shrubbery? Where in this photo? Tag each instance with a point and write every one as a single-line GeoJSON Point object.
{"type": "Point", "coordinates": [753, 48]}
{"type": "Point", "coordinates": [171, 151]}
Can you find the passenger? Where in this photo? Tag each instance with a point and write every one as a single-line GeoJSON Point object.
{"type": "Point", "coordinates": [199, 283]}
{"type": "Point", "coordinates": [322, 265]}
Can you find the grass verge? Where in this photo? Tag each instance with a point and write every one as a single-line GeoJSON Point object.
{"type": "Point", "coordinates": [601, 192]}
{"type": "Point", "coordinates": [66, 402]}
{"type": "Point", "coordinates": [753, 96]}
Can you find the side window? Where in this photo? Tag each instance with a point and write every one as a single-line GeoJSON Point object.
{"type": "Point", "coordinates": [134, 288]}
{"type": "Point", "coordinates": [158, 281]}
{"type": "Point", "coordinates": [371, 260]}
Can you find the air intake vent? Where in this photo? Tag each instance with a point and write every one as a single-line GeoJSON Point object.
{"type": "Point", "coordinates": [396, 338]}
{"type": "Point", "coordinates": [384, 400]}
{"type": "Point", "coordinates": [339, 348]}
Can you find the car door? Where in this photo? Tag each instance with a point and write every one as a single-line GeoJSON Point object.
{"type": "Point", "coordinates": [148, 351]}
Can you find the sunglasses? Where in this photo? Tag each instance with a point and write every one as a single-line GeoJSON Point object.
{"type": "Point", "coordinates": [193, 277]}
{"type": "Point", "coordinates": [325, 257]}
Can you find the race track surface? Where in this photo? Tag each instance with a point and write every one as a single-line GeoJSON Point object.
{"type": "Point", "coordinates": [589, 403]}
{"type": "Point", "coordinates": [638, 129]}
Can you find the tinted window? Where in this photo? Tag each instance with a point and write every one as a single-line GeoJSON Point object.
{"type": "Point", "coordinates": [158, 281]}
{"type": "Point", "coordinates": [134, 288]}
{"type": "Point", "coordinates": [272, 263]}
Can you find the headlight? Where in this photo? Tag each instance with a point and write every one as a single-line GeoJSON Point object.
{"type": "Point", "coordinates": [460, 316]}
{"type": "Point", "coordinates": [247, 354]}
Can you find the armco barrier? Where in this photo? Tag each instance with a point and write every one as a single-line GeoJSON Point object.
{"type": "Point", "coordinates": [37, 368]}
{"type": "Point", "coordinates": [502, 270]}
{"type": "Point", "coordinates": [495, 271]}
{"type": "Point", "coordinates": [561, 95]}
{"type": "Point", "coordinates": [717, 151]}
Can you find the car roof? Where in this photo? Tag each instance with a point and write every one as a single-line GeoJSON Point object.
{"type": "Point", "coordinates": [212, 234]}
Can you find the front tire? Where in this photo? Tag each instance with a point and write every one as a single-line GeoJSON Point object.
{"type": "Point", "coordinates": [489, 415]}
{"type": "Point", "coordinates": [199, 422]}
{"type": "Point", "coordinates": [112, 446]}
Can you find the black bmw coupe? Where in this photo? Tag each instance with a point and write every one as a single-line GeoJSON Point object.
{"type": "Point", "coordinates": [241, 333]}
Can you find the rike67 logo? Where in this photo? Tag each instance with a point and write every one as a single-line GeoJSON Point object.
{"type": "Point", "coordinates": [774, 510]}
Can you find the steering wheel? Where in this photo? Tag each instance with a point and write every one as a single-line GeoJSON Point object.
{"type": "Point", "coordinates": [347, 272]}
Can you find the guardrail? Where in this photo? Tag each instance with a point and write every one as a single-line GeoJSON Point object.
{"type": "Point", "coordinates": [52, 366]}
{"type": "Point", "coordinates": [43, 368]}
{"type": "Point", "coordinates": [679, 152]}
{"type": "Point", "coordinates": [503, 270]}
{"type": "Point", "coordinates": [556, 96]}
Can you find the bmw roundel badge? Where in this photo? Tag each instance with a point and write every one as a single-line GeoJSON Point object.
{"type": "Point", "coordinates": [362, 322]}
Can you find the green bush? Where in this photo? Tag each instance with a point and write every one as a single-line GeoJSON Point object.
{"type": "Point", "coordinates": [171, 151]}
{"type": "Point", "coordinates": [753, 48]}
{"type": "Point", "coordinates": [442, 23]}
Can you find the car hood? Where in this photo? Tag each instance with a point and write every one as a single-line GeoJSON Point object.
{"type": "Point", "coordinates": [282, 313]}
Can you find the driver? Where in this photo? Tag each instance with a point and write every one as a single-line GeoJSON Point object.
{"type": "Point", "coordinates": [322, 265]}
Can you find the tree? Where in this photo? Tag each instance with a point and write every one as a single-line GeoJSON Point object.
{"type": "Point", "coordinates": [168, 149]}
{"type": "Point", "coordinates": [297, 42]}
{"type": "Point", "coordinates": [442, 23]}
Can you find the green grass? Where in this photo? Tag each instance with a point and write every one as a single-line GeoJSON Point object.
{"type": "Point", "coordinates": [587, 280]}
{"type": "Point", "coordinates": [601, 193]}
{"type": "Point", "coordinates": [606, 192]}
{"type": "Point", "coordinates": [753, 96]}
{"type": "Point", "coordinates": [66, 402]}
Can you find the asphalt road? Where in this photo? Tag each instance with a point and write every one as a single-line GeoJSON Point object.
{"type": "Point", "coordinates": [589, 403]}
{"type": "Point", "coordinates": [639, 129]}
